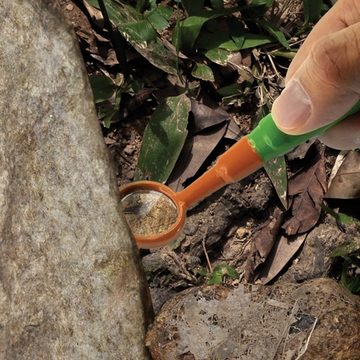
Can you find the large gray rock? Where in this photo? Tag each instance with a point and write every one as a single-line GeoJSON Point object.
{"type": "Point", "coordinates": [70, 282]}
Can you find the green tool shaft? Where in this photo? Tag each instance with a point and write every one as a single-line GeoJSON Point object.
{"type": "Point", "coordinates": [270, 142]}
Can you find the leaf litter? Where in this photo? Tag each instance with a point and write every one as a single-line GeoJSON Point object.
{"type": "Point", "coordinates": [245, 80]}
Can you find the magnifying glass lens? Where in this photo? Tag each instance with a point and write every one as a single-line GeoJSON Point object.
{"type": "Point", "coordinates": [149, 212]}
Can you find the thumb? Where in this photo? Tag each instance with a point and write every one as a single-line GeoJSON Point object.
{"type": "Point", "coordinates": [324, 87]}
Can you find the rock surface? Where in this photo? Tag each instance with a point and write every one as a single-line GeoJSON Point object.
{"type": "Point", "coordinates": [71, 286]}
{"type": "Point", "coordinates": [318, 319]}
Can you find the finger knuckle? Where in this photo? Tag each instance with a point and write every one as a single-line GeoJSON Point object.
{"type": "Point", "coordinates": [327, 61]}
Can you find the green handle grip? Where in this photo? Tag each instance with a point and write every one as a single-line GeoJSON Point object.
{"type": "Point", "coordinates": [270, 142]}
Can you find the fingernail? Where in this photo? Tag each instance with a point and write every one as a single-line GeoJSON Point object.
{"type": "Point", "coordinates": [293, 107]}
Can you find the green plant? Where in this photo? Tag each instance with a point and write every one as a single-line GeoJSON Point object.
{"type": "Point", "coordinates": [220, 273]}
{"type": "Point", "coordinates": [350, 265]}
{"type": "Point", "coordinates": [188, 41]}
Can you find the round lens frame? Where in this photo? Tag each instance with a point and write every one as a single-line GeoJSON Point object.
{"type": "Point", "coordinates": [163, 238]}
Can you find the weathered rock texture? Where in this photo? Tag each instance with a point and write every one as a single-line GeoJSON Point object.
{"type": "Point", "coordinates": [70, 282]}
{"type": "Point", "coordinates": [316, 320]}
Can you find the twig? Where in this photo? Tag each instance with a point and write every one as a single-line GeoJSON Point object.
{"type": "Point", "coordinates": [206, 254]}
{"type": "Point", "coordinates": [303, 350]}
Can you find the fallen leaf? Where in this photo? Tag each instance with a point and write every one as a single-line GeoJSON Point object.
{"type": "Point", "coordinates": [209, 128]}
{"type": "Point", "coordinates": [282, 252]}
{"type": "Point", "coordinates": [233, 131]}
{"type": "Point", "coordinates": [205, 116]}
{"type": "Point", "coordinates": [346, 183]}
{"type": "Point", "coordinates": [194, 154]}
{"type": "Point", "coordinates": [103, 87]}
{"type": "Point", "coordinates": [277, 172]}
{"type": "Point", "coordinates": [306, 190]}
{"type": "Point", "coordinates": [300, 151]}
{"type": "Point", "coordinates": [263, 242]}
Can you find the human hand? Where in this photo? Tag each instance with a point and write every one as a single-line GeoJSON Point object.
{"type": "Point", "coordinates": [323, 80]}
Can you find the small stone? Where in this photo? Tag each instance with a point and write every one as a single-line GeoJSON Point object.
{"type": "Point", "coordinates": [69, 7]}
{"type": "Point", "coordinates": [241, 232]}
{"type": "Point", "coordinates": [129, 149]}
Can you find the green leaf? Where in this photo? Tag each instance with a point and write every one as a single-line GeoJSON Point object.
{"type": "Point", "coordinates": [202, 72]}
{"type": "Point", "coordinates": [107, 119]}
{"type": "Point", "coordinates": [230, 90]}
{"type": "Point", "coordinates": [144, 40]}
{"type": "Point", "coordinates": [94, 3]}
{"type": "Point", "coordinates": [226, 41]}
{"type": "Point", "coordinates": [255, 40]}
{"type": "Point", "coordinates": [275, 32]}
{"type": "Point", "coordinates": [312, 10]}
{"type": "Point", "coordinates": [346, 250]}
{"type": "Point", "coordinates": [218, 56]}
{"type": "Point", "coordinates": [102, 86]}
{"type": "Point", "coordinates": [159, 17]}
{"type": "Point", "coordinates": [163, 139]}
{"type": "Point", "coordinates": [276, 170]}
{"type": "Point", "coordinates": [342, 218]}
{"type": "Point", "coordinates": [220, 272]}
{"type": "Point", "coordinates": [191, 26]}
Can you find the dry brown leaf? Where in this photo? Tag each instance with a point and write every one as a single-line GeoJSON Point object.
{"type": "Point", "coordinates": [263, 242]}
{"type": "Point", "coordinates": [205, 116]}
{"type": "Point", "coordinates": [346, 182]}
{"type": "Point", "coordinates": [195, 152]}
{"type": "Point", "coordinates": [283, 251]}
{"type": "Point", "coordinates": [306, 190]}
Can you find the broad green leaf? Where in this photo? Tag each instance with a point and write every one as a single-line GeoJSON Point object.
{"type": "Point", "coordinates": [102, 86]}
{"type": "Point", "coordinates": [312, 10]}
{"type": "Point", "coordinates": [220, 272]}
{"type": "Point", "coordinates": [275, 32]}
{"type": "Point", "coordinates": [230, 90]}
{"type": "Point", "coordinates": [159, 17]}
{"type": "Point", "coordinates": [255, 40]}
{"type": "Point", "coordinates": [159, 56]}
{"type": "Point", "coordinates": [191, 26]}
{"type": "Point", "coordinates": [141, 32]}
{"type": "Point", "coordinates": [202, 72]}
{"type": "Point", "coordinates": [218, 40]}
{"type": "Point", "coordinates": [276, 170]}
{"type": "Point", "coordinates": [218, 56]}
{"type": "Point", "coordinates": [226, 41]}
{"type": "Point", "coordinates": [163, 139]}
{"type": "Point", "coordinates": [124, 17]}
